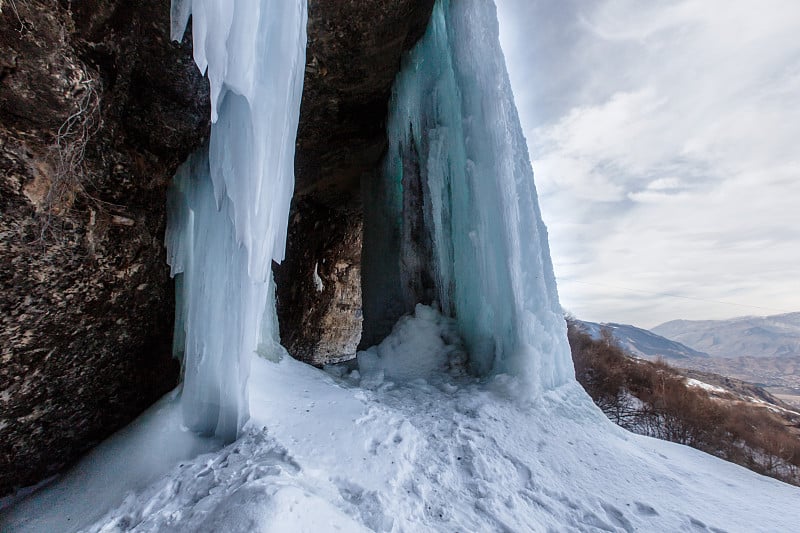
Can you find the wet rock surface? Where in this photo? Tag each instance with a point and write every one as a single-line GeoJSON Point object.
{"type": "Point", "coordinates": [322, 280]}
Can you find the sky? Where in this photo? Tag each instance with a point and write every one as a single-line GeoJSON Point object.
{"type": "Point", "coordinates": [665, 142]}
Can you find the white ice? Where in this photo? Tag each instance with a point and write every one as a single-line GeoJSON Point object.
{"type": "Point", "coordinates": [229, 207]}
{"type": "Point", "coordinates": [453, 110]}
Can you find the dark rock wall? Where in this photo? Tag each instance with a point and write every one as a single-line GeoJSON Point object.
{"type": "Point", "coordinates": [354, 53]}
{"type": "Point", "coordinates": [322, 280]}
{"type": "Point", "coordinates": [97, 109]}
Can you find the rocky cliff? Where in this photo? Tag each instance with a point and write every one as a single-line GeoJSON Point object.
{"type": "Point", "coordinates": [97, 110]}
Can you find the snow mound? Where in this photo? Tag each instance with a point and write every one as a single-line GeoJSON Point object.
{"type": "Point", "coordinates": [421, 345]}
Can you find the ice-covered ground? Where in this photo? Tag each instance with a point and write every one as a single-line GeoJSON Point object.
{"type": "Point", "coordinates": [432, 451]}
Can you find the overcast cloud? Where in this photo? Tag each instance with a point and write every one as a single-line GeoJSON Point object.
{"type": "Point", "coordinates": [665, 139]}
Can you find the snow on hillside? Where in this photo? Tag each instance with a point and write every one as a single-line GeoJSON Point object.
{"type": "Point", "coordinates": [433, 451]}
{"type": "Point", "coordinates": [705, 386]}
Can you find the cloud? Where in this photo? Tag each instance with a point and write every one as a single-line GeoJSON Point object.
{"type": "Point", "coordinates": [667, 157]}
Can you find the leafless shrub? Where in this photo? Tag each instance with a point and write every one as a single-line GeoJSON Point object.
{"type": "Point", "coordinates": [653, 399]}
{"type": "Point", "coordinates": [22, 23]}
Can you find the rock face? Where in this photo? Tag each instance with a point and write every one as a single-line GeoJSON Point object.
{"type": "Point", "coordinates": [97, 110]}
{"type": "Point", "coordinates": [321, 280]}
{"type": "Point", "coordinates": [354, 53]}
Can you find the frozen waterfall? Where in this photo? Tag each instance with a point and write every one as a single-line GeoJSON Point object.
{"type": "Point", "coordinates": [229, 206]}
{"type": "Point", "coordinates": [455, 219]}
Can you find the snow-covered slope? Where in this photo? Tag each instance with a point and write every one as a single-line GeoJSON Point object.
{"type": "Point", "coordinates": [770, 336]}
{"type": "Point", "coordinates": [643, 343]}
{"type": "Point", "coordinates": [435, 453]}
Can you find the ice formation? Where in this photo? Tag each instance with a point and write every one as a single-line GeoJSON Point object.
{"type": "Point", "coordinates": [426, 449]}
{"type": "Point", "coordinates": [229, 206]}
{"type": "Point", "coordinates": [455, 220]}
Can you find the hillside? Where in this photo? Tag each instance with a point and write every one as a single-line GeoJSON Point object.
{"type": "Point", "coordinates": [770, 336]}
{"type": "Point", "coordinates": [729, 418]}
{"type": "Point", "coordinates": [643, 343]}
{"type": "Point", "coordinates": [778, 374]}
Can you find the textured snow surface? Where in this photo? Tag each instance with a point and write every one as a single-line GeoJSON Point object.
{"type": "Point", "coordinates": [229, 207]}
{"type": "Point", "coordinates": [457, 154]}
{"type": "Point", "coordinates": [421, 345]}
{"type": "Point", "coordinates": [130, 460]}
{"type": "Point", "coordinates": [440, 454]}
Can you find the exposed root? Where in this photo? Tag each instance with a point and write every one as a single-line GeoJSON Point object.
{"type": "Point", "coordinates": [69, 175]}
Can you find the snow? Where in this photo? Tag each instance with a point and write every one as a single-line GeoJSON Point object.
{"type": "Point", "coordinates": [131, 460]}
{"type": "Point", "coordinates": [423, 344]}
{"type": "Point", "coordinates": [444, 453]}
{"type": "Point", "coordinates": [229, 206]}
{"type": "Point", "coordinates": [691, 382]}
{"type": "Point", "coordinates": [466, 215]}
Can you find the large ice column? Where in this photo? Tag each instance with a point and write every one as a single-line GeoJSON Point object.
{"type": "Point", "coordinates": [229, 206]}
{"type": "Point", "coordinates": [456, 216]}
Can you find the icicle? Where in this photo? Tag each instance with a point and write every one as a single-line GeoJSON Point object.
{"type": "Point", "coordinates": [229, 205]}
{"type": "Point", "coordinates": [458, 151]}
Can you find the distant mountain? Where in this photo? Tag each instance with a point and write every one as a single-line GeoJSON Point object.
{"type": "Point", "coordinates": [643, 343]}
{"type": "Point", "coordinates": [771, 336]}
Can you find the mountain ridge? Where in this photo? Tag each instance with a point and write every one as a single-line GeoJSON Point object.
{"type": "Point", "coordinates": [750, 336]}
{"type": "Point", "coordinates": [642, 342]}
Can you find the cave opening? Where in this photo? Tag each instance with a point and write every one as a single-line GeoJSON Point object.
{"type": "Point", "coordinates": [341, 145]}
{"type": "Point", "coordinates": [354, 264]}
{"type": "Point", "coordinates": [319, 297]}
